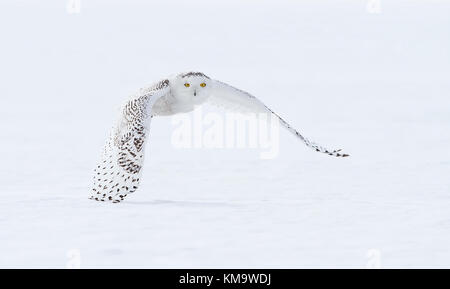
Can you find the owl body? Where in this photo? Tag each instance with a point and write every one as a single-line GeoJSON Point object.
{"type": "Point", "coordinates": [118, 172]}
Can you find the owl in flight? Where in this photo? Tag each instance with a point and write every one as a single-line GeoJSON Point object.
{"type": "Point", "coordinates": [119, 170]}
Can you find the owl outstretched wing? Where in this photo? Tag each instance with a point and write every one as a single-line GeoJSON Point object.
{"type": "Point", "coordinates": [118, 172]}
{"type": "Point", "coordinates": [231, 98]}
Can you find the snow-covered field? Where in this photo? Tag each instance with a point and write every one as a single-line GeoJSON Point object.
{"type": "Point", "coordinates": [375, 84]}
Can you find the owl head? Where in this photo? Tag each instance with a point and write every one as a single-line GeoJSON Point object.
{"type": "Point", "coordinates": [191, 87]}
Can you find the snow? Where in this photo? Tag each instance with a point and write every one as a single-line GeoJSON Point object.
{"type": "Point", "coordinates": [374, 84]}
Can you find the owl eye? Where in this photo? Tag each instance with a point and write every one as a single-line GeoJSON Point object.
{"type": "Point", "coordinates": [202, 84]}
{"type": "Point", "coordinates": [187, 84]}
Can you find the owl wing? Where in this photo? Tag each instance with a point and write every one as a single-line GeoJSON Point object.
{"type": "Point", "coordinates": [118, 172]}
{"type": "Point", "coordinates": [231, 98]}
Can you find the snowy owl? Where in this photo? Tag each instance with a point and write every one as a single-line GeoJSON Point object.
{"type": "Point", "coordinates": [119, 170]}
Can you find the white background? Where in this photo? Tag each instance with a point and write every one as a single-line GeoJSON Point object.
{"type": "Point", "coordinates": [375, 84]}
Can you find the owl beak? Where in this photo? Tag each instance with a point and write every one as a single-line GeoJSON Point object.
{"type": "Point", "coordinates": [195, 92]}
